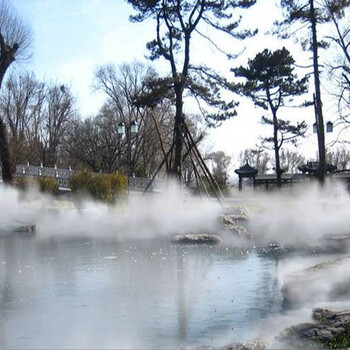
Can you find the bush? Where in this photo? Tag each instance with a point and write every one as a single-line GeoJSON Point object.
{"type": "Point", "coordinates": [24, 183]}
{"type": "Point", "coordinates": [79, 182]}
{"type": "Point", "coordinates": [48, 184]}
{"type": "Point", "coordinates": [45, 184]}
{"type": "Point", "coordinates": [104, 187]}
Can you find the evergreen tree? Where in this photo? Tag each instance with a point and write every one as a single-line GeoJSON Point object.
{"type": "Point", "coordinates": [177, 24]}
{"type": "Point", "coordinates": [312, 13]}
{"type": "Point", "coordinates": [270, 79]}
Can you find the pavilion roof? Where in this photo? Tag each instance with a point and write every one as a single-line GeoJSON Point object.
{"type": "Point", "coordinates": [246, 170]}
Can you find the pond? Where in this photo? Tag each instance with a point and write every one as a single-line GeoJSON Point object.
{"type": "Point", "coordinates": [90, 292]}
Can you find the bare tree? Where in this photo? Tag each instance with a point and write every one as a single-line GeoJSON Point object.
{"type": "Point", "coordinates": [58, 112]}
{"type": "Point", "coordinates": [121, 84]}
{"type": "Point", "coordinates": [83, 144]}
{"type": "Point", "coordinates": [290, 160]}
{"type": "Point", "coordinates": [126, 86]}
{"type": "Point", "coordinates": [340, 157]}
{"type": "Point", "coordinates": [257, 158]}
{"type": "Point", "coordinates": [22, 96]}
{"type": "Point", "coordinates": [220, 167]}
{"type": "Point", "coordinates": [15, 40]}
{"type": "Point", "coordinates": [339, 68]}
{"type": "Point", "coordinates": [96, 144]}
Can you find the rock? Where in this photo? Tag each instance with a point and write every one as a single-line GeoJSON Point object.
{"type": "Point", "coordinates": [303, 334]}
{"type": "Point", "coordinates": [238, 218]}
{"type": "Point", "coordinates": [227, 220]}
{"type": "Point", "coordinates": [326, 281]}
{"type": "Point", "coordinates": [18, 228]}
{"type": "Point", "coordinates": [234, 218]}
{"type": "Point", "coordinates": [201, 238]}
{"type": "Point", "coordinates": [235, 210]}
{"type": "Point", "coordinates": [336, 243]}
{"type": "Point", "coordinates": [328, 316]}
{"type": "Point", "coordinates": [331, 328]}
{"type": "Point", "coordinates": [241, 232]}
{"type": "Point", "coordinates": [230, 223]}
{"type": "Point", "coordinates": [258, 344]}
{"type": "Point", "coordinates": [337, 238]}
{"type": "Point", "coordinates": [319, 268]}
{"type": "Point", "coordinates": [27, 228]}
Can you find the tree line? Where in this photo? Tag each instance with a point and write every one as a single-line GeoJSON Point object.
{"type": "Point", "coordinates": [44, 125]}
{"type": "Point", "coordinates": [40, 123]}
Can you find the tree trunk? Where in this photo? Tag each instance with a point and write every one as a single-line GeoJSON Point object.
{"type": "Point", "coordinates": [318, 101]}
{"type": "Point", "coordinates": [178, 140]}
{"type": "Point", "coordinates": [160, 139]}
{"type": "Point", "coordinates": [276, 149]}
{"type": "Point", "coordinates": [7, 167]}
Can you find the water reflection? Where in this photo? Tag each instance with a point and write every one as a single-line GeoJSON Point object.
{"type": "Point", "coordinates": [95, 293]}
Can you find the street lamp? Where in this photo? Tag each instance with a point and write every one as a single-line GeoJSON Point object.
{"type": "Point", "coordinates": [329, 127]}
{"type": "Point", "coordinates": [128, 131]}
{"type": "Point", "coordinates": [132, 129]}
{"type": "Point", "coordinates": [121, 129]}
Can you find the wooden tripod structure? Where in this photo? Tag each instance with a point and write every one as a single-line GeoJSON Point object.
{"type": "Point", "coordinates": [198, 164]}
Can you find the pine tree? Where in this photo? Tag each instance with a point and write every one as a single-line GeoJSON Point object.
{"type": "Point", "coordinates": [306, 13]}
{"type": "Point", "coordinates": [270, 79]}
{"type": "Point", "coordinates": [177, 23]}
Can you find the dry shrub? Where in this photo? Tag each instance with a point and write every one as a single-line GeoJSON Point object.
{"type": "Point", "coordinates": [103, 187]}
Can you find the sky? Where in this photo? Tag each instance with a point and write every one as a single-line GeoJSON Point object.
{"type": "Point", "coordinates": [73, 37]}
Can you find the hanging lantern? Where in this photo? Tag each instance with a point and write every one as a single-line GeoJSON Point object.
{"type": "Point", "coordinates": [121, 128]}
{"type": "Point", "coordinates": [329, 127]}
{"type": "Point", "coordinates": [134, 128]}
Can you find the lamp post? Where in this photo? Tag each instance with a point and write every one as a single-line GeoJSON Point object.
{"type": "Point", "coordinates": [128, 131]}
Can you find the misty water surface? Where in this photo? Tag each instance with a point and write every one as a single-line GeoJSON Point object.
{"type": "Point", "coordinates": [99, 277]}
{"type": "Point", "coordinates": [81, 292]}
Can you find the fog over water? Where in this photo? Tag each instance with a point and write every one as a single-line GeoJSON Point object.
{"type": "Point", "coordinates": [99, 277]}
{"type": "Point", "coordinates": [299, 215]}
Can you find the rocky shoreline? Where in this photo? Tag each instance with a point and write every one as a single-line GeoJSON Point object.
{"type": "Point", "coordinates": [330, 328]}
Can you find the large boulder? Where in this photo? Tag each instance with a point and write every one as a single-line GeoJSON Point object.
{"type": "Point", "coordinates": [199, 238]}
{"type": "Point", "coordinates": [331, 329]}
{"type": "Point", "coordinates": [257, 344]}
{"type": "Point", "coordinates": [326, 281]}
{"type": "Point", "coordinates": [237, 214]}
{"type": "Point", "coordinates": [230, 222]}
{"type": "Point", "coordinates": [336, 243]}
{"type": "Point", "coordinates": [17, 228]}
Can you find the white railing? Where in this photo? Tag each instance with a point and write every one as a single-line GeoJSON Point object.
{"type": "Point", "coordinates": [141, 183]}
{"type": "Point", "coordinates": [63, 175]}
